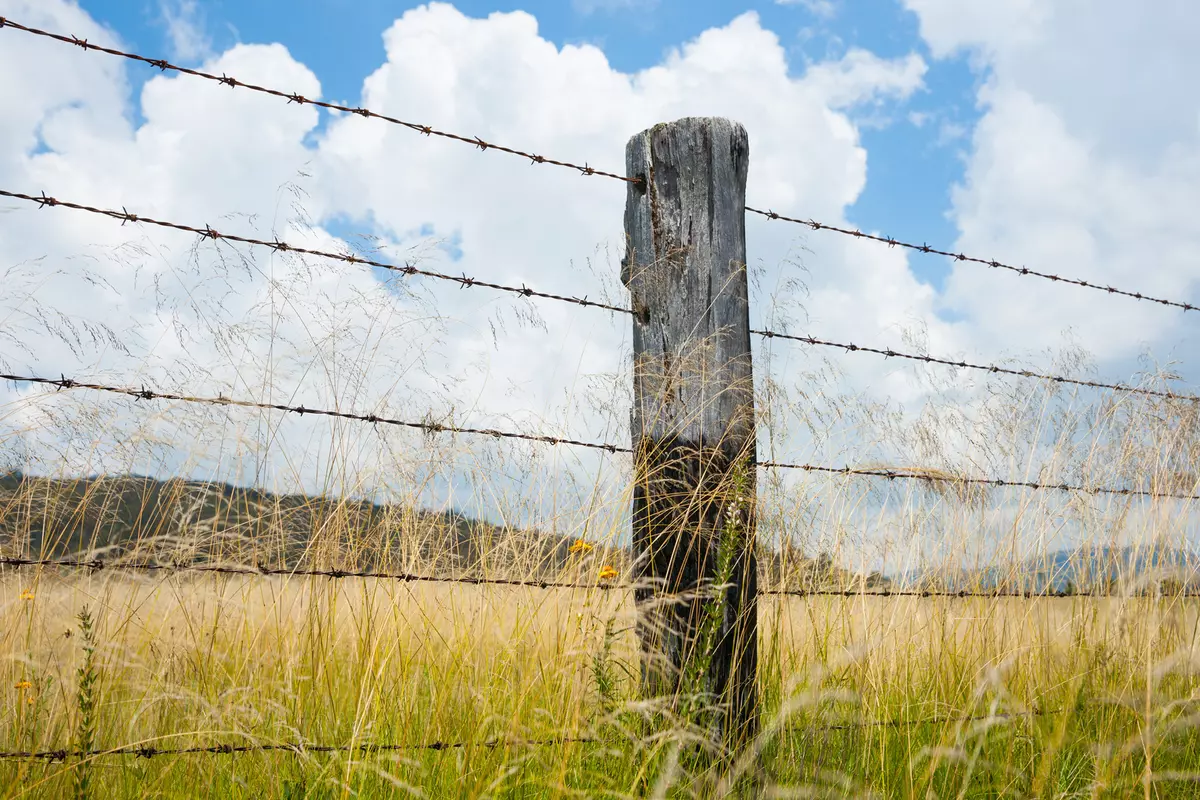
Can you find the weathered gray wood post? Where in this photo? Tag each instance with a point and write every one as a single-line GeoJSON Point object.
{"type": "Point", "coordinates": [693, 418]}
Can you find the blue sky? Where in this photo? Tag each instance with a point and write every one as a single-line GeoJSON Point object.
{"type": "Point", "coordinates": [911, 167]}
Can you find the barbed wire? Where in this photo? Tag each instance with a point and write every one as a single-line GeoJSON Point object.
{"type": "Point", "coordinates": [207, 232]}
{"type": "Point", "coordinates": [98, 565]}
{"type": "Point", "coordinates": [299, 748]}
{"type": "Point", "coordinates": [964, 594]}
{"type": "Point", "coordinates": [292, 97]}
{"type": "Point", "coordinates": [150, 751]}
{"type": "Point", "coordinates": [905, 723]}
{"type": "Point", "coordinates": [261, 570]}
{"type": "Point", "coordinates": [988, 262]}
{"type": "Point", "coordinates": [433, 427]}
{"type": "Point", "coordinates": [992, 368]}
{"type": "Point", "coordinates": [374, 419]}
{"type": "Point", "coordinates": [919, 475]}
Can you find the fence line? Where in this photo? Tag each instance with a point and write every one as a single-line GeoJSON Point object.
{"type": "Point", "coordinates": [905, 723]}
{"type": "Point", "coordinates": [992, 368]}
{"type": "Point", "coordinates": [374, 419]}
{"type": "Point", "coordinates": [433, 427]}
{"type": "Point", "coordinates": [464, 281]}
{"type": "Point", "coordinates": [97, 565]}
{"type": "Point", "coordinates": [299, 748]}
{"type": "Point", "coordinates": [207, 232]}
{"type": "Point", "coordinates": [988, 262]}
{"type": "Point", "coordinates": [292, 97]}
{"type": "Point", "coordinates": [534, 158]}
{"type": "Point", "coordinates": [920, 475]}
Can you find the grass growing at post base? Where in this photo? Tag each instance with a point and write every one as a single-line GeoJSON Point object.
{"type": "Point", "coordinates": [198, 661]}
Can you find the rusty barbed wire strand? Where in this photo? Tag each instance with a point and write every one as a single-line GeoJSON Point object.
{"type": "Point", "coordinates": [150, 751]}
{"type": "Point", "coordinates": [910, 474]}
{"type": "Point", "coordinates": [374, 419]}
{"type": "Point", "coordinates": [98, 565]}
{"type": "Point", "coordinates": [992, 368]}
{"type": "Point", "coordinates": [988, 262]}
{"type": "Point", "coordinates": [905, 723]}
{"type": "Point", "coordinates": [464, 281]}
{"type": "Point", "coordinates": [959, 594]}
{"type": "Point", "coordinates": [434, 427]}
{"type": "Point", "coordinates": [292, 97]}
{"type": "Point", "coordinates": [207, 232]}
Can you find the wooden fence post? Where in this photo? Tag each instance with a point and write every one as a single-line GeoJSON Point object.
{"type": "Point", "coordinates": [693, 420]}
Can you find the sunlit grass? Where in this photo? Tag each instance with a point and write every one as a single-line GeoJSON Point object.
{"type": "Point", "coordinates": [894, 696]}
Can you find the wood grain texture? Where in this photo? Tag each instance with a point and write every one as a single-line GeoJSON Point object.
{"type": "Point", "coordinates": [693, 413]}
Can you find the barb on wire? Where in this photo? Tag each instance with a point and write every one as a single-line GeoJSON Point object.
{"type": "Point", "coordinates": [207, 232]}
{"type": "Point", "coordinates": [292, 97]}
{"type": "Point", "coordinates": [992, 368]}
{"type": "Point", "coordinates": [97, 565]}
{"type": "Point", "coordinates": [909, 474]}
{"type": "Point", "coordinates": [988, 262]}
{"type": "Point", "coordinates": [150, 751]}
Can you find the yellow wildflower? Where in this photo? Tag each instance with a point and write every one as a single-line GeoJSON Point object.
{"type": "Point", "coordinates": [27, 594]}
{"type": "Point", "coordinates": [607, 572]}
{"type": "Point", "coordinates": [22, 685]}
{"type": "Point", "coordinates": [580, 546]}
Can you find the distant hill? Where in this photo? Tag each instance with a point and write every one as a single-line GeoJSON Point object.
{"type": "Point", "coordinates": [1081, 569]}
{"type": "Point", "coordinates": [185, 521]}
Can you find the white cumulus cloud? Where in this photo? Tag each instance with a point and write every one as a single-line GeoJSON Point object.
{"type": "Point", "coordinates": [1084, 163]}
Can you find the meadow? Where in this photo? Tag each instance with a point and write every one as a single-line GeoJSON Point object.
{"type": "Point", "coordinates": [865, 696]}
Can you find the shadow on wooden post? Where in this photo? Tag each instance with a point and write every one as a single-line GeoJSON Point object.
{"type": "Point", "coordinates": [693, 421]}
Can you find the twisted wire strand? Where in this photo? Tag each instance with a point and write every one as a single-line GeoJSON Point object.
{"type": "Point", "coordinates": [293, 97]}
{"type": "Point", "coordinates": [96, 565]}
{"type": "Point", "coordinates": [987, 262]}
{"type": "Point", "coordinates": [299, 748]}
{"type": "Point", "coordinates": [208, 232]}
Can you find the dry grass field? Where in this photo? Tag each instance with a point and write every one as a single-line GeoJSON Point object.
{"type": "Point", "coordinates": [864, 696]}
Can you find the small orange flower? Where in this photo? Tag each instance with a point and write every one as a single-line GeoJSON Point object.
{"type": "Point", "coordinates": [27, 594]}
{"type": "Point", "coordinates": [22, 685]}
{"type": "Point", "coordinates": [607, 572]}
{"type": "Point", "coordinates": [580, 546]}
